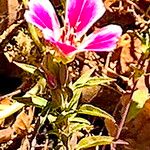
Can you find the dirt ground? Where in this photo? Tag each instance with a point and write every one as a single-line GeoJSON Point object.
{"type": "Point", "coordinates": [126, 65]}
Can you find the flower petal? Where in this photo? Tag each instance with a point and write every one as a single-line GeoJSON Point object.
{"type": "Point", "coordinates": [65, 48]}
{"type": "Point", "coordinates": [81, 14]}
{"type": "Point", "coordinates": [49, 35]}
{"type": "Point", "coordinates": [42, 14]}
{"type": "Point", "coordinates": [104, 40]}
{"type": "Point", "coordinates": [32, 18]}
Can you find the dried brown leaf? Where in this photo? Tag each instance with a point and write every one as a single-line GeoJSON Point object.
{"type": "Point", "coordinates": [111, 126]}
{"type": "Point", "coordinates": [125, 57]}
{"type": "Point", "coordinates": [12, 10]}
{"type": "Point", "coordinates": [138, 133]}
{"type": "Point", "coordinates": [89, 93]}
{"type": "Point", "coordinates": [108, 3]}
{"type": "Point", "coordinates": [131, 50]}
{"type": "Point", "coordinates": [22, 124]}
{"type": "Point", "coordinates": [6, 101]}
{"type": "Point", "coordinates": [73, 141]}
{"type": "Point", "coordinates": [25, 144]}
{"type": "Point", "coordinates": [5, 134]}
{"type": "Point", "coordinates": [125, 98]}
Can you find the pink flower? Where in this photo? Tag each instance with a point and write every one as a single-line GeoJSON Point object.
{"type": "Point", "coordinates": [80, 15]}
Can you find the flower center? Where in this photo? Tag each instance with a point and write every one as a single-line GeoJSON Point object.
{"type": "Point", "coordinates": [68, 35]}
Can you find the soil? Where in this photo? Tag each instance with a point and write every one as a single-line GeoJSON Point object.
{"type": "Point", "coordinates": [15, 40]}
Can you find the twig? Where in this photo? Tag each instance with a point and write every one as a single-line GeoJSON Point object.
{"type": "Point", "coordinates": [10, 94]}
{"type": "Point", "coordinates": [128, 105]}
{"type": "Point", "coordinates": [126, 112]}
{"type": "Point", "coordinates": [137, 7]}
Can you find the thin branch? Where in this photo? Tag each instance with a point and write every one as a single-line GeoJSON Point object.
{"type": "Point", "coordinates": [10, 94]}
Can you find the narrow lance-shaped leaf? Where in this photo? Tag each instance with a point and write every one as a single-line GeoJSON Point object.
{"type": "Point", "coordinates": [75, 99]}
{"type": "Point", "coordinates": [139, 98]}
{"type": "Point", "coordinates": [29, 68]}
{"type": "Point", "coordinates": [96, 81]}
{"type": "Point", "coordinates": [83, 79]}
{"type": "Point", "coordinates": [93, 111]}
{"type": "Point", "coordinates": [77, 92]}
{"type": "Point", "coordinates": [38, 100]}
{"type": "Point", "coordinates": [79, 126]}
{"type": "Point", "coordinates": [10, 110]}
{"type": "Point", "coordinates": [35, 37]}
{"type": "Point", "coordinates": [92, 141]}
{"type": "Point", "coordinates": [16, 106]}
{"type": "Point", "coordinates": [79, 120]}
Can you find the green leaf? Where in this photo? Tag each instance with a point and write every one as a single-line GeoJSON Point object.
{"type": "Point", "coordinates": [77, 92]}
{"type": "Point", "coordinates": [35, 37]}
{"type": "Point", "coordinates": [58, 98]}
{"type": "Point", "coordinates": [78, 126]}
{"type": "Point", "coordinates": [138, 100]}
{"type": "Point", "coordinates": [3, 106]}
{"type": "Point", "coordinates": [80, 120]}
{"type": "Point", "coordinates": [51, 65]}
{"type": "Point", "coordinates": [38, 100]}
{"type": "Point", "coordinates": [16, 106]}
{"type": "Point", "coordinates": [140, 97]}
{"type": "Point", "coordinates": [51, 118]}
{"type": "Point", "coordinates": [38, 88]}
{"type": "Point", "coordinates": [32, 100]}
{"type": "Point", "coordinates": [63, 74]}
{"type": "Point", "coordinates": [29, 68]}
{"type": "Point", "coordinates": [94, 111]}
{"type": "Point", "coordinates": [10, 110]}
{"type": "Point", "coordinates": [24, 100]}
{"type": "Point", "coordinates": [83, 79]}
{"type": "Point", "coordinates": [98, 80]}
{"type": "Point", "coordinates": [74, 101]}
{"type": "Point", "coordinates": [93, 141]}
{"type": "Point", "coordinates": [62, 120]}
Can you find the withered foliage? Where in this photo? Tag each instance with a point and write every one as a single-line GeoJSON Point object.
{"type": "Point", "coordinates": [126, 64]}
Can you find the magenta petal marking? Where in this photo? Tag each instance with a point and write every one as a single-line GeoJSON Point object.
{"type": "Point", "coordinates": [44, 11]}
{"type": "Point", "coordinates": [32, 18]}
{"type": "Point", "coordinates": [103, 40]}
{"type": "Point", "coordinates": [65, 48]}
{"type": "Point", "coordinates": [83, 13]}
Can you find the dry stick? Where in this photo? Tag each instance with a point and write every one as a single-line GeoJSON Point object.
{"type": "Point", "coordinates": [137, 7]}
{"type": "Point", "coordinates": [128, 105]}
{"type": "Point", "coordinates": [113, 146]}
{"type": "Point", "coordinates": [10, 94]}
{"type": "Point", "coordinates": [126, 112]}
